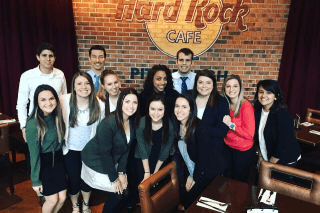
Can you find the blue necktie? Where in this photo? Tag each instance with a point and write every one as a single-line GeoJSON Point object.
{"type": "Point", "coordinates": [183, 85]}
{"type": "Point", "coordinates": [97, 83]}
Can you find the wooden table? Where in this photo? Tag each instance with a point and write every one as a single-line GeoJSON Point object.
{"type": "Point", "coordinates": [7, 117]}
{"type": "Point", "coordinates": [304, 136]}
{"type": "Point", "coordinates": [242, 195]}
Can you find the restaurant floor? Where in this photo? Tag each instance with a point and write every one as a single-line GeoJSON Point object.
{"type": "Point", "coordinates": [25, 200]}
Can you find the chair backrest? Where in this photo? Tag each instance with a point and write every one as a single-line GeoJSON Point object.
{"type": "Point", "coordinates": [310, 195]}
{"type": "Point", "coordinates": [164, 200]}
{"type": "Point", "coordinates": [309, 114]}
{"type": "Point", "coordinates": [4, 139]}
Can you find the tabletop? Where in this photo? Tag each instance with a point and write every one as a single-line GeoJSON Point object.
{"type": "Point", "coordinates": [7, 117]}
{"type": "Point", "coordinates": [242, 195]}
{"type": "Point", "coordinates": [306, 137]}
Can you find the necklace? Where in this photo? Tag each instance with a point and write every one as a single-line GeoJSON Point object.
{"type": "Point", "coordinates": [83, 110]}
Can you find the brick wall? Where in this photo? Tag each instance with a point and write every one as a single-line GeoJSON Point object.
{"type": "Point", "coordinates": [254, 54]}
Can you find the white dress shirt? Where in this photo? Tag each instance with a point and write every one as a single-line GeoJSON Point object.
{"type": "Point", "coordinates": [177, 81]}
{"type": "Point", "coordinates": [29, 82]}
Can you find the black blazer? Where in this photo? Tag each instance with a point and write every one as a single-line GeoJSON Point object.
{"type": "Point", "coordinates": [209, 162]}
{"type": "Point", "coordinates": [279, 136]}
{"type": "Point", "coordinates": [108, 147]}
{"type": "Point", "coordinates": [213, 118]}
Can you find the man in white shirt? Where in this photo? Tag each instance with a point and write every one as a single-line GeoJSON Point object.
{"type": "Point", "coordinates": [183, 79]}
{"type": "Point", "coordinates": [97, 58]}
{"type": "Point", "coordinates": [45, 73]}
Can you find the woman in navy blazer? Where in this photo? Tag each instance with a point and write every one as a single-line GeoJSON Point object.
{"type": "Point", "coordinates": [105, 156]}
{"type": "Point", "coordinates": [211, 106]}
{"type": "Point", "coordinates": [202, 159]}
{"type": "Point", "coordinates": [274, 126]}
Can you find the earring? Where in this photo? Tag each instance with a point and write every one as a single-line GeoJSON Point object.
{"type": "Point", "coordinates": [275, 98]}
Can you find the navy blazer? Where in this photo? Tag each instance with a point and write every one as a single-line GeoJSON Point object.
{"type": "Point", "coordinates": [209, 161]}
{"type": "Point", "coordinates": [279, 136]}
{"type": "Point", "coordinates": [213, 118]}
{"type": "Point", "coordinates": [107, 148]}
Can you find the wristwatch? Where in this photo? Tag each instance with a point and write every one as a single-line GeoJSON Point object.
{"type": "Point", "coordinates": [121, 173]}
{"type": "Point", "coordinates": [232, 126]}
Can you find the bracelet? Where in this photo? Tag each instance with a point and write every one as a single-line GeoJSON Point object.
{"type": "Point", "coordinates": [146, 172]}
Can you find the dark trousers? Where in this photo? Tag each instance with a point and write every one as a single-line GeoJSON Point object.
{"type": "Point", "coordinates": [73, 166]}
{"type": "Point", "coordinates": [27, 155]}
{"type": "Point", "coordinates": [178, 159]}
{"type": "Point", "coordinates": [238, 163]}
{"type": "Point", "coordinates": [115, 202]}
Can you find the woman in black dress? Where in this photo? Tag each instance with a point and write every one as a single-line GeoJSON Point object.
{"type": "Point", "coordinates": [155, 136]}
{"type": "Point", "coordinates": [45, 132]}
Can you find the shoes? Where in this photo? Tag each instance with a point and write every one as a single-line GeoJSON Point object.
{"type": "Point", "coordinates": [85, 207]}
{"type": "Point", "coordinates": [76, 208]}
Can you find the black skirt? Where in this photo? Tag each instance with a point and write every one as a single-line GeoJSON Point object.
{"type": "Point", "coordinates": [52, 175]}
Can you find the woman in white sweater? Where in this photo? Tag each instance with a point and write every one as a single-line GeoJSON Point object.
{"type": "Point", "coordinates": [82, 112]}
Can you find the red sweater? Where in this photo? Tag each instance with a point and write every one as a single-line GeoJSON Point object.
{"type": "Point", "coordinates": [242, 138]}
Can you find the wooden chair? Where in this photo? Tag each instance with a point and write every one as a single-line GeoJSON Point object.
{"type": "Point", "coordinates": [164, 200]}
{"type": "Point", "coordinates": [310, 195]}
{"type": "Point", "coordinates": [4, 151]}
{"type": "Point", "coordinates": [309, 114]}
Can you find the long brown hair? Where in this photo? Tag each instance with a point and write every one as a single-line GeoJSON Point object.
{"type": "Point", "coordinates": [37, 114]}
{"type": "Point", "coordinates": [191, 121]}
{"type": "Point", "coordinates": [214, 95]}
{"type": "Point", "coordinates": [147, 132]}
{"type": "Point", "coordinates": [118, 113]}
{"type": "Point", "coordinates": [93, 102]}
{"type": "Point", "coordinates": [102, 94]}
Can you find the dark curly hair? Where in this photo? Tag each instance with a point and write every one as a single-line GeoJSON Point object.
{"type": "Point", "coordinates": [148, 86]}
{"type": "Point", "coordinates": [274, 87]}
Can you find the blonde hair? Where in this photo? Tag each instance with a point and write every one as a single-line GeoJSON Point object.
{"type": "Point", "coordinates": [241, 97]}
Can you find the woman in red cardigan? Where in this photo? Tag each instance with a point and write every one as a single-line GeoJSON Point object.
{"type": "Point", "coordinates": [238, 147]}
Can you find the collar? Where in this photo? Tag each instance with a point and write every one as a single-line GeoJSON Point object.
{"type": "Point", "coordinates": [188, 76]}
{"type": "Point", "coordinates": [39, 73]}
{"type": "Point", "coordinates": [93, 73]}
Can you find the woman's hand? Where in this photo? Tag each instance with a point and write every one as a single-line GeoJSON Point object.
{"type": "Point", "coordinates": [190, 183]}
{"type": "Point", "coordinates": [38, 189]}
{"type": "Point", "coordinates": [227, 120]}
{"type": "Point", "coordinates": [123, 180]}
{"type": "Point", "coordinates": [146, 176]}
{"type": "Point", "coordinates": [274, 160]}
{"type": "Point", "coordinates": [118, 187]}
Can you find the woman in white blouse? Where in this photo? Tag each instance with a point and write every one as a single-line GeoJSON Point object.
{"type": "Point", "coordinates": [82, 112]}
{"type": "Point", "coordinates": [109, 90]}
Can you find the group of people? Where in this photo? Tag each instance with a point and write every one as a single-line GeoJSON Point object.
{"type": "Point", "coordinates": [104, 137]}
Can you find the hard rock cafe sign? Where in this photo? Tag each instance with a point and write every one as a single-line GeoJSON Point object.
{"type": "Point", "coordinates": [175, 24]}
